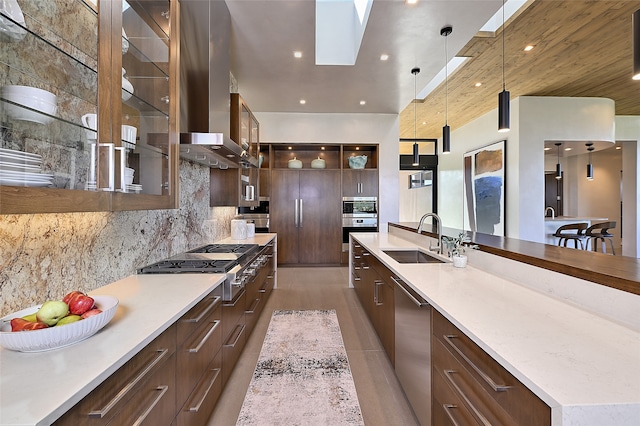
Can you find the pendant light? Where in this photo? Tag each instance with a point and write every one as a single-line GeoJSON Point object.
{"type": "Point", "coordinates": [558, 166]}
{"type": "Point", "coordinates": [635, 23]}
{"type": "Point", "coordinates": [416, 153]}
{"type": "Point", "coordinates": [446, 130]}
{"type": "Point", "coordinates": [504, 96]}
{"type": "Point", "coordinates": [590, 165]}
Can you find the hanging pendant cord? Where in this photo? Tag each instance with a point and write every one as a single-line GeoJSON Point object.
{"type": "Point", "coordinates": [446, 83]}
{"type": "Point", "coordinates": [415, 115]}
{"type": "Point", "coordinates": [504, 86]}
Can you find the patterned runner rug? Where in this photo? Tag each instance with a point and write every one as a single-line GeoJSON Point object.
{"type": "Point", "coordinates": [303, 375]}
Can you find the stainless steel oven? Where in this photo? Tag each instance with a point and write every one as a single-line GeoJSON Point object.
{"type": "Point", "coordinates": [359, 214]}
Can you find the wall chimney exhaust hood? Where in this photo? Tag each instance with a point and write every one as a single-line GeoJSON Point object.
{"type": "Point", "coordinates": [205, 111]}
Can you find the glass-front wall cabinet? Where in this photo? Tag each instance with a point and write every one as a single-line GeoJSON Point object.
{"type": "Point", "coordinates": [86, 121]}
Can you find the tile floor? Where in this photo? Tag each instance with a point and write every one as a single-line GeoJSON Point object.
{"type": "Point", "coordinates": [381, 399]}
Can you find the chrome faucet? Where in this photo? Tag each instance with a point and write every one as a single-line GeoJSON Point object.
{"type": "Point", "coordinates": [438, 248]}
{"type": "Point", "coordinates": [553, 212]}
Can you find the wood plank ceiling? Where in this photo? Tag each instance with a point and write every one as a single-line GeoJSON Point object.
{"type": "Point", "coordinates": [582, 49]}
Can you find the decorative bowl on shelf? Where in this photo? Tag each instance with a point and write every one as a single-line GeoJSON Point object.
{"type": "Point", "coordinates": [294, 163]}
{"type": "Point", "coordinates": [260, 160]}
{"type": "Point", "coordinates": [55, 337]}
{"type": "Point", "coordinates": [32, 102]}
{"type": "Point", "coordinates": [127, 87]}
{"type": "Point", "coordinates": [357, 161]}
{"type": "Point", "coordinates": [318, 163]}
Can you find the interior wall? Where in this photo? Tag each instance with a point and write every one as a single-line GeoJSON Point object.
{"type": "Point", "coordinates": [628, 135]}
{"type": "Point", "coordinates": [414, 202]}
{"type": "Point", "coordinates": [45, 256]}
{"type": "Point", "coordinates": [534, 119]}
{"type": "Point", "coordinates": [382, 129]}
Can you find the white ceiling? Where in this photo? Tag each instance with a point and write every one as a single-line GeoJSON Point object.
{"type": "Point", "coordinates": [266, 32]}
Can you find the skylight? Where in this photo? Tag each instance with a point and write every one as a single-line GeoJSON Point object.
{"type": "Point", "coordinates": [340, 26]}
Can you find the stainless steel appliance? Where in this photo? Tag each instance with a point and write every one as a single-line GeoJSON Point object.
{"type": "Point", "coordinates": [238, 261]}
{"type": "Point", "coordinates": [413, 348]}
{"type": "Point", "coordinates": [359, 214]}
{"type": "Point", "coordinates": [261, 221]}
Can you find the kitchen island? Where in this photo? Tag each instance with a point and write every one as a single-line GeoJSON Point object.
{"type": "Point", "coordinates": [551, 224]}
{"type": "Point", "coordinates": [583, 364]}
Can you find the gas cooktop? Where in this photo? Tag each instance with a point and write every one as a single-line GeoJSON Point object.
{"type": "Point", "coordinates": [239, 249]}
{"type": "Point", "coordinates": [176, 266]}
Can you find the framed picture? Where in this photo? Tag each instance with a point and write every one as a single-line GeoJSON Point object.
{"type": "Point", "coordinates": [484, 188]}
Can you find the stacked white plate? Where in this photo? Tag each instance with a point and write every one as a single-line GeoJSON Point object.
{"type": "Point", "coordinates": [18, 168]}
{"type": "Point", "coordinates": [133, 187]}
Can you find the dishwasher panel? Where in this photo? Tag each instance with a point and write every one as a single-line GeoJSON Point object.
{"type": "Point", "coordinates": [413, 348]}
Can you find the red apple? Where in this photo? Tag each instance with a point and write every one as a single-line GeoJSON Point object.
{"type": "Point", "coordinates": [20, 324]}
{"type": "Point", "coordinates": [79, 303]}
{"type": "Point", "coordinates": [69, 295]}
{"type": "Point", "coordinates": [91, 313]}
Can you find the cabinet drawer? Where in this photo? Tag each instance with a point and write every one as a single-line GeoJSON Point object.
{"type": "Point", "coordinates": [252, 313]}
{"type": "Point", "coordinates": [231, 350]}
{"type": "Point", "coordinates": [232, 312]}
{"type": "Point", "coordinates": [487, 382]}
{"type": "Point", "coordinates": [448, 408]}
{"type": "Point", "coordinates": [196, 353]}
{"type": "Point", "coordinates": [111, 397]}
{"type": "Point", "coordinates": [199, 406]}
{"type": "Point", "coordinates": [199, 314]}
{"type": "Point", "coordinates": [154, 403]}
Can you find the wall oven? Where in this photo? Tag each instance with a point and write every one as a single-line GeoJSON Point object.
{"type": "Point", "coordinates": [359, 214]}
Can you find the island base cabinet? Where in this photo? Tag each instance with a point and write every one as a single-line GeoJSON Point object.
{"type": "Point", "coordinates": [469, 382]}
{"type": "Point", "coordinates": [141, 390]}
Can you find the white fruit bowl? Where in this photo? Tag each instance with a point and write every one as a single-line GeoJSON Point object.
{"type": "Point", "coordinates": [33, 98]}
{"type": "Point", "coordinates": [55, 337]}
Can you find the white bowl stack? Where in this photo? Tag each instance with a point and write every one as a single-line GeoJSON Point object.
{"type": "Point", "coordinates": [19, 168]}
{"type": "Point", "coordinates": [35, 103]}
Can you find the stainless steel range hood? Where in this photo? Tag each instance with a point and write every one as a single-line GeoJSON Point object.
{"type": "Point", "coordinates": [205, 116]}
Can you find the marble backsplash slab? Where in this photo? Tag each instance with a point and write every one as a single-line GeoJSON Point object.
{"type": "Point", "coordinates": [44, 256]}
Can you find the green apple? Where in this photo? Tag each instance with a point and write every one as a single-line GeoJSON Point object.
{"type": "Point", "coordinates": [68, 319]}
{"type": "Point", "coordinates": [52, 311]}
{"type": "Point", "coordinates": [30, 318]}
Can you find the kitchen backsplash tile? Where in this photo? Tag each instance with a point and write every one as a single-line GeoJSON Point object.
{"type": "Point", "coordinates": [44, 256]}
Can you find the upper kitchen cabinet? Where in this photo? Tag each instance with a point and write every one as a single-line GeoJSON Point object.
{"type": "Point", "coordinates": [78, 105]}
{"type": "Point", "coordinates": [360, 176]}
{"type": "Point", "coordinates": [239, 186]}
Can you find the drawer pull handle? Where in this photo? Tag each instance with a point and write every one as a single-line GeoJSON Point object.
{"type": "Point", "coordinates": [103, 412]}
{"type": "Point", "coordinates": [216, 323]}
{"type": "Point", "coordinates": [256, 302]}
{"type": "Point", "coordinates": [205, 311]}
{"type": "Point", "coordinates": [366, 253]}
{"type": "Point", "coordinates": [448, 374]}
{"type": "Point", "coordinates": [163, 389]}
{"type": "Point", "coordinates": [496, 387]}
{"type": "Point", "coordinates": [447, 410]}
{"type": "Point", "coordinates": [214, 378]}
{"type": "Point", "coordinates": [238, 334]}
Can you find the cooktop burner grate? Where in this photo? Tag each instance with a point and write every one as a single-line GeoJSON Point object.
{"type": "Point", "coordinates": [226, 248]}
{"type": "Point", "coordinates": [182, 266]}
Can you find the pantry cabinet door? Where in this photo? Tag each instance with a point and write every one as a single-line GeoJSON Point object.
{"type": "Point", "coordinates": [282, 217]}
{"type": "Point", "coordinates": [320, 232]}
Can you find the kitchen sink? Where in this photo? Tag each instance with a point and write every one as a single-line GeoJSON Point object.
{"type": "Point", "coordinates": [412, 256]}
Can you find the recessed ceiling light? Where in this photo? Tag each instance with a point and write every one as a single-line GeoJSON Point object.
{"type": "Point", "coordinates": [290, 147]}
{"type": "Point", "coordinates": [424, 122]}
{"type": "Point", "coordinates": [529, 48]}
{"type": "Point", "coordinates": [384, 57]}
{"type": "Point", "coordinates": [363, 102]}
{"type": "Point", "coordinates": [302, 102]}
{"type": "Point", "coordinates": [411, 1]}
{"type": "Point", "coordinates": [568, 149]}
{"type": "Point", "coordinates": [618, 147]}
{"type": "Point", "coordinates": [297, 54]}
{"type": "Point", "coordinates": [478, 84]}
{"type": "Point", "coordinates": [322, 148]}
{"type": "Point", "coordinates": [546, 148]}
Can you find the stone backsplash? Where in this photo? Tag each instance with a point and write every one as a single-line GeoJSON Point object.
{"type": "Point", "coordinates": [44, 256]}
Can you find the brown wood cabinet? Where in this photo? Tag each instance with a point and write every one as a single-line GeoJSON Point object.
{"type": "Point", "coordinates": [143, 389]}
{"type": "Point", "coordinates": [470, 387]}
{"type": "Point", "coordinates": [375, 290]}
{"type": "Point", "coordinates": [238, 186]}
{"type": "Point", "coordinates": [360, 183]}
{"type": "Point", "coordinates": [305, 212]}
{"type": "Point", "coordinates": [89, 39]}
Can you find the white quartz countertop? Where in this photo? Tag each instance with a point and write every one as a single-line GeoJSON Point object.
{"type": "Point", "coordinates": [37, 388]}
{"type": "Point", "coordinates": [585, 367]}
{"type": "Point", "coordinates": [261, 239]}
{"type": "Point", "coordinates": [575, 219]}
